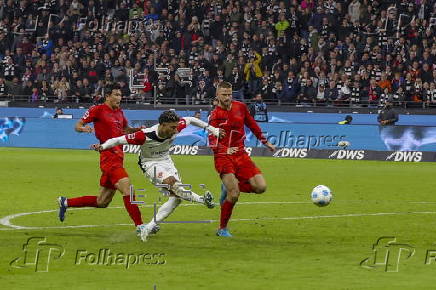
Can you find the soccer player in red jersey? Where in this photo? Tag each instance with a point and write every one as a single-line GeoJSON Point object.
{"type": "Point", "coordinates": [109, 122]}
{"type": "Point", "coordinates": [238, 173]}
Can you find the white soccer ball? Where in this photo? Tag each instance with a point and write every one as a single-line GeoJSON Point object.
{"type": "Point", "coordinates": [321, 195]}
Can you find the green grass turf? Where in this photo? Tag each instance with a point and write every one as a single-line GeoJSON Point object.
{"type": "Point", "coordinates": [268, 253]}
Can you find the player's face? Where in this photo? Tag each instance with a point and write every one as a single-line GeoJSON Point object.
{"type": "Point", "coordinates": [114, 99]}
{"type": "Point", "coordinates": [224, 96]}
{"type": "Point", "coordinates": [168, 129]}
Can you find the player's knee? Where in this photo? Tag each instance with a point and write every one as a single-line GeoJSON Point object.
{"type": "Point", "coordinates": [260, 188]}
{"type": "Point", "coordinates": [170, 180]}
{"type": "Point", "coordinates": [233, 195]}
{"type": "Point", "coordinates": [233, 199]}
{"type": "Point", "coordinates": [102, 203]}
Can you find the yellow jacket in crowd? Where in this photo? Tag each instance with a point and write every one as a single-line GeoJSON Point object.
{"type": "Point", "coordinates": [256, 65]}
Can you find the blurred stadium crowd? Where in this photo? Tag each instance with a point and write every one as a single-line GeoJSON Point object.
{"type": "Point", "coordinates": [331, 52]}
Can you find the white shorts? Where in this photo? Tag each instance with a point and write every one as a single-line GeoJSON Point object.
{"type": "Point", "coordinates": [157, 171]}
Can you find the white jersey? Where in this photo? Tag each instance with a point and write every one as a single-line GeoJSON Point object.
{"type": "Point", "coordinates": [153, 147]}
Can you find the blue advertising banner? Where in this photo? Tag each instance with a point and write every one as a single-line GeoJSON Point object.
{"type": "Point", "coordinates": [367, 137]}
{"type": "Point", "coordinates": [59, 133]}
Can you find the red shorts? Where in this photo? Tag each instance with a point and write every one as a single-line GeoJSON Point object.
{"type": "Point", "coordinates": [240, 165]}
{"type": "Point", "coordinates": [111, 177]}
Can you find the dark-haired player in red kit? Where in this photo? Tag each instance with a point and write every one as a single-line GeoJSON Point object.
{"type": "Point", "coordinates": [109, 122]}
{"type": "Point", "coordinates": [238, 173]}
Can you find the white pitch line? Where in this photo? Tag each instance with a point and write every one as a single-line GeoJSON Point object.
{"type": "Point", "coordinates": [13, 227]}
{"type": "Point", "coordinates": [6, 221]}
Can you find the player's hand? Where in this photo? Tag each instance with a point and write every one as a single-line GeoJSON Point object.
{"type": "Point", "coordinates": [97, 147]}
{"type": "Point", "coordinates": [87, 129]}
{"type": "Point", "coordinates": [214, 131]}
{"type": "Point", "coordinates": [222, 133]}
{"type": "Point", "coordinates": [270, 146]}
{"type": "Point", "coordinates": [232, 150]}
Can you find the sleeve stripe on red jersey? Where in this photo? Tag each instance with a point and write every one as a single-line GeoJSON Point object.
{"type": "Point", "coordinates": [182, 125]}
{"type": "Point", "coordinates": [137, 138]}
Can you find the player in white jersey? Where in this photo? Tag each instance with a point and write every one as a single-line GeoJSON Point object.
{"type": "Point", "coordinates": [157, 165]}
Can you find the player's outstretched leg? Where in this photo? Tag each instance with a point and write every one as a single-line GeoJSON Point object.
{"type": "Point", "coordinates": [123, 185]}
{"type": "Point", "coordinates": [179, 190]}
{"type": "Point", "coordinates": [102, 201]}
{"type": "Point", "coordinates": [163, 212]}
{"type": "Point", "coordinates": [82, 201]}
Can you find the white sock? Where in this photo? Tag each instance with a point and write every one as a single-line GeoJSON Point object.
{"type": "Point", "coordinates": [185, 194]}
{"type": "Point", "coordinates": [165, 210]}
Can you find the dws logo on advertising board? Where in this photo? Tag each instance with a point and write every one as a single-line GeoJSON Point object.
{"type": "Point", "coordinates": [291, 152]}
{"type": "Point", "coordinates": [348, 154]}
{"type": "Point", "coordinates": [184, 150]}
{"type": "Point", "coordinates": [405, 156]}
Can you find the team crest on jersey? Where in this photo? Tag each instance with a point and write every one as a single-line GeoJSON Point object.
{"type": "Point", "coordinates": [159, 175]}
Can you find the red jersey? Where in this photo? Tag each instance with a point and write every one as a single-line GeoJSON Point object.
{"type": "Point", "coordinates": [233, 121]}
{"type": "Point", "coordinates": [108, 123]}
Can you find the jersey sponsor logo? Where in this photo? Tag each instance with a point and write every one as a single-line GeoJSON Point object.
{"type": "Point", "coordinates": [159, 153]}
{"type": "Point", "coordinates": [405, 156]}
{"type": "Point", "coordinates": [184, 150]}
{"type": "Point", "coordinates": [348, 154]}
{"type": "Point", "coordinates": [291, 152]}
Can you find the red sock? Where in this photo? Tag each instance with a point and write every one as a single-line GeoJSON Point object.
{"type": "Point", "coordinates": [245, 186]}
{"type": "Point", "coordinates": [133, 210]}
{"type": "Point", "coordinates": [87, 200]}
{"type": "Point", "coordinates": [226, 213]}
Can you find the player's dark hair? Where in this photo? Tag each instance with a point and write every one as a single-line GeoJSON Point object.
{"type": "Point", "coordinates": [224, 85]}
{"type": "Point", "coordinates": [168, 117]}
{"type": "Point", "coordinates": [110, 87]}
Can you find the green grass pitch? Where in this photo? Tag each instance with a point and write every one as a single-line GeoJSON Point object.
{"type": "Point", "coordinates": [281, 240]}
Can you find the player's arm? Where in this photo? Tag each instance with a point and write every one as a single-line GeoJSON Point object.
{"type": "Point", "coordinates": [137, 138]}
{"type": "Point", "coordinates": [81, 127]}
{"type": "Point", "coordinates": [90, 116]}
{"type": "Point", "coordinates": [254, 127]}
{"type": "Point", "coordinates": [217, 132]}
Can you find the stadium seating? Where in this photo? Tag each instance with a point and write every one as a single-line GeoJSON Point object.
{"type": "Point", "coordinates": [300, 53]}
